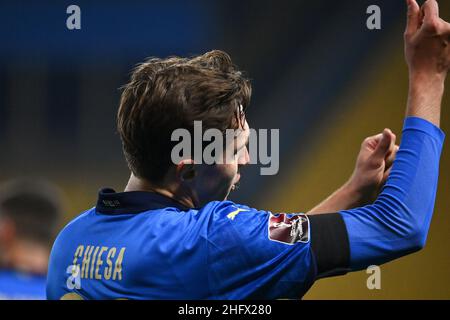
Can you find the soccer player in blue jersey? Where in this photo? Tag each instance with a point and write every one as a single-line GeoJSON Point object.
{"type": "Point", "coordinates": [29, 217]}
{"type": "Point", "coordinates": [173, 235]}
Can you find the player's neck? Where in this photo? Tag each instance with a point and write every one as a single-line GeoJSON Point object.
{"type": "Point", "coordinates": [137, 184]}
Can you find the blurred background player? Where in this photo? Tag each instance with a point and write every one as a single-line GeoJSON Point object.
{"type": "Point", "coordinates": [29, 215]}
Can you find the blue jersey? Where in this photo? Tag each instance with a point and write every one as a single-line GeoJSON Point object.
{"type": "Point", "coordinates": [141, 245]}
{"type": "Point", "coordinates": [15, 285]}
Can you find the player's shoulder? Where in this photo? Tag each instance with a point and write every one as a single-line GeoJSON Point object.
{"type": "Point", "coordinates": [74, 226]}
{"type": "Point", "coordinates": [283, 228]}
{"type": "Point", "coordinates": [75, 222]}
{"type": "Point", "coordinates": [228, 217]}
{"type": "Point", "coordinates": [230, 210]}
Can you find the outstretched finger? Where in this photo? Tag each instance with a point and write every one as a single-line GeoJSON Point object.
{"type": "Point", "coordinates": [384, 145]}
{"type": "Point", "coordinates": [431, 10]}
{"type": "Point", "coordinates": [414, 17]}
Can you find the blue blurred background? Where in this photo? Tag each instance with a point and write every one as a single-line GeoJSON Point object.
{"type": "Point", "coordinates": [319, 75]}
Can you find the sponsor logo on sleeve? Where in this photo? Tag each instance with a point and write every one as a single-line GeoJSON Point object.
{"type": "Point", "coordinates": [289, 228]}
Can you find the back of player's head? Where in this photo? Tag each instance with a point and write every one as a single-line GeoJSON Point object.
{"type": "Point", "coordinates": [167, 94]}
{"type": "Point", "coordinates": [33, 207]}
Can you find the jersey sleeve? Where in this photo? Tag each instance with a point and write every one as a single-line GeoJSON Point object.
{"type": "Point", "coordinates": [397, 222]}
{"type": "Point", "coordinates": [255, 254]}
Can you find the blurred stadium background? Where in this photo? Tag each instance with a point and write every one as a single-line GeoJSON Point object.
{"type": "Point", "coordinates": [319, 75]}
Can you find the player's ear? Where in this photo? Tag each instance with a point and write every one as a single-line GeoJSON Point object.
{"type": "Point", "coordinates": [185, 170]}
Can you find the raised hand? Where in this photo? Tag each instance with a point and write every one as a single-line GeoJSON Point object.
{"type": "Point", "coordinates": [373, 164]}
{"type": "Point", "coordinates": [427, 52]}
{"type": "Point", "coordinates": [427, 40]}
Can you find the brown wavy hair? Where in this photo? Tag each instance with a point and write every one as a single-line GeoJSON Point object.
{"type": "Point", "coordinates": [166, 94]}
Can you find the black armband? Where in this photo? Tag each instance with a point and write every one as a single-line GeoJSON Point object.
{"type": "Point", "coordinates": [330, 245]}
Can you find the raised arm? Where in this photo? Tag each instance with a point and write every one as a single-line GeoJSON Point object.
{"type": "Point", "coordinates": [397, 223]}
{"type": "Point", "coordinates": [427, 51]}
